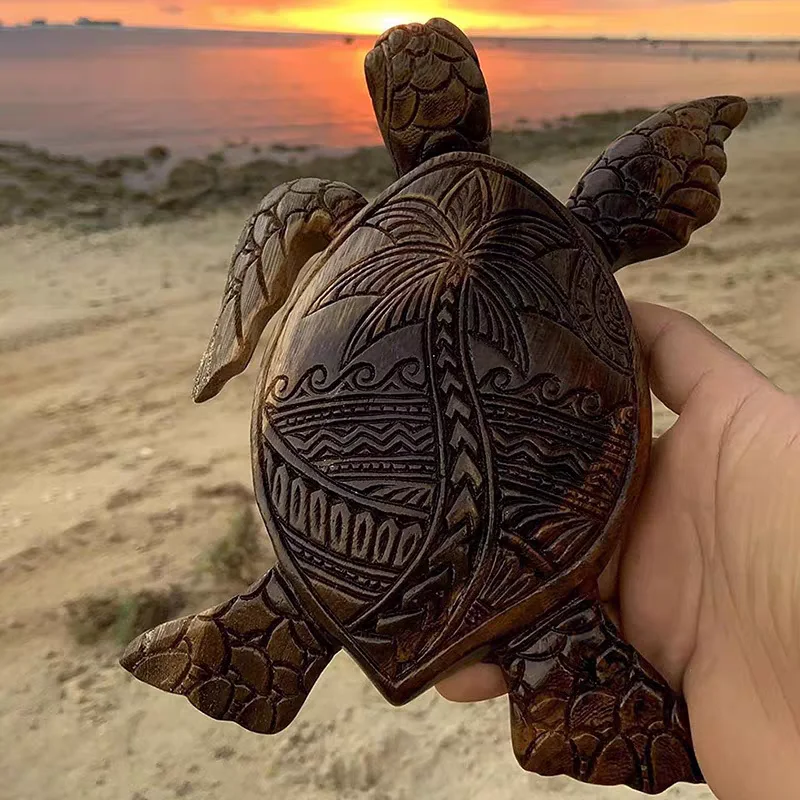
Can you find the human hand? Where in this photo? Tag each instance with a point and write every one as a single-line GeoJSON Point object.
{"type": "Point", "coordinates": [706, 583]}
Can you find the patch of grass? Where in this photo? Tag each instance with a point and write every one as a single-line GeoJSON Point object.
{"type": "Point", "coordinates": [91, 618]}
{"type": "Point", "coordinates": [121, 618]}
{"type": "Point", "coordinates": [145, 610]}
{"type": "Point", "coordinates": [238, 556]}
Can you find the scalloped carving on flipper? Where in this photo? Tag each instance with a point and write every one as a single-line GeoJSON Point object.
{"type": "Point", "coordinates": [251, 660]}
{"type": "Point", "coordinates": [586, 704]}
{"type": "Point", "coordinates": [293, 222]}
{"type": "Point", "coordinates": [656, 185]}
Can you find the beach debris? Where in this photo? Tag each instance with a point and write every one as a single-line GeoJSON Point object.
{"type": "Point", "coordinates": [116, 616]}
{"type": "Point", "coordinates": [158, 153]}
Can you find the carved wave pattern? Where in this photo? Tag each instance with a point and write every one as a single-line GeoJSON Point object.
{"type": "Point", "coordinates": [357, 378]}
{"type": "Point", "coordinates": [547, 389]}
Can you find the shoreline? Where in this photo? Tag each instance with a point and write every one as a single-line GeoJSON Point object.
{"type": "Point", "coordinates": [158, 186]}
{"type": "Point", "coordinates": [370, 37]}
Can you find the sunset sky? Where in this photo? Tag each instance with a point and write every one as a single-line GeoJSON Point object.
{"type": "Point", "coordinates": [657, 18]}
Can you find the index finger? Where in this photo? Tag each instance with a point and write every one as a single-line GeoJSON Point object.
{"type": "Point", "coordinates": [472, 684]}
{"type": "Point", "coordinates": [680, 354]}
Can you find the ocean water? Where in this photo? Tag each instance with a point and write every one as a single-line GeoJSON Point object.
{"type": "Point", "coordinates": [103, 92]}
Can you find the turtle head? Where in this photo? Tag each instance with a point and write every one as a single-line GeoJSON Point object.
{"type": "Point", "coordinates": [428, 92]}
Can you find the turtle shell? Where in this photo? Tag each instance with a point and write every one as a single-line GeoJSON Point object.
{"type": "Point", "coordinates": [451, 420]}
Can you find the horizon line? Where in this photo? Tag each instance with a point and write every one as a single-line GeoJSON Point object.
{"type": "Point", "coordinates": [349, 34]}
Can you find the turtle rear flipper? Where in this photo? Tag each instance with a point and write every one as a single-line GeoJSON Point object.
{"type": "Point", "coordinates": [293, 222]}
{"type": "Point", "coordinates": [586, 704]}
{"type": "Point", "coordinates": [655, 186]}
{"type": "Point", "coordinates": [251, 660]}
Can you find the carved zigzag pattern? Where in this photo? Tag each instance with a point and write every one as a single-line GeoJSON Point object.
{"type": "Point", "coordinates": [558, 471]}
{"type": "Point", "coordinates": [554, 457]}
{"type": "Point", "coordinates": [375, 439]}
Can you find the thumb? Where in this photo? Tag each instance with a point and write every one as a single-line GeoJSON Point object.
{"type": "Point", "coordinates": [681, 355]}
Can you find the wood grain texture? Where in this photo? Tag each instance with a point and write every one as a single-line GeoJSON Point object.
{"type": "Point", "coordinates": [449, 421]}
{"type": "Point", "coordinates": [452, 425]}
{"type": "Point", "coordinates": [655, 186]}
{"type": "Point", "coordinates": [251, 660]}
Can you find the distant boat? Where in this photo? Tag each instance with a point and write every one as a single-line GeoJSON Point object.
{"type": "Point", "coordinates": [38, 23]}
{"type": "Point", "coordinates": [86, 22]}
{"type": "Point", "coordinates": [348, 40]}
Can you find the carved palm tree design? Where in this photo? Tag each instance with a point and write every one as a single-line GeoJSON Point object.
{"type": "Point", "coordinates": [461, 245]}
{"type": "Point", "coordinates": [465, 272]}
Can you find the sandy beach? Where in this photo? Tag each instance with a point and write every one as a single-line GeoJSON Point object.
{"type": "Point", "coordinates": [112, 482]}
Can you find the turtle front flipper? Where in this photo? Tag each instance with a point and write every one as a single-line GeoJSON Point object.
{"type": "Point", "coordinates": [293, 222]}
{"type": "Point", "coordinates": [655, 186]}
{"type": "Point", "coordinates": [251, 660]}
{"type": "Point", "coordinates": [586, 704]}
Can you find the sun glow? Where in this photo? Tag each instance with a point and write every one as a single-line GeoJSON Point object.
{"type": "Point", "coordinates": [669, 18]}
{"type": "Point", "coordinates": [390, 20]}
{"type": "Point", "coordinates": [361, 17]}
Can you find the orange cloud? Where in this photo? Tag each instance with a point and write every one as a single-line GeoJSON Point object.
{"type": "Point", "coordinates": [667, 18]}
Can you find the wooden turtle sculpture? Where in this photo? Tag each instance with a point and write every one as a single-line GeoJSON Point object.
{"type": "Point", "coordinates": [452, 424]}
